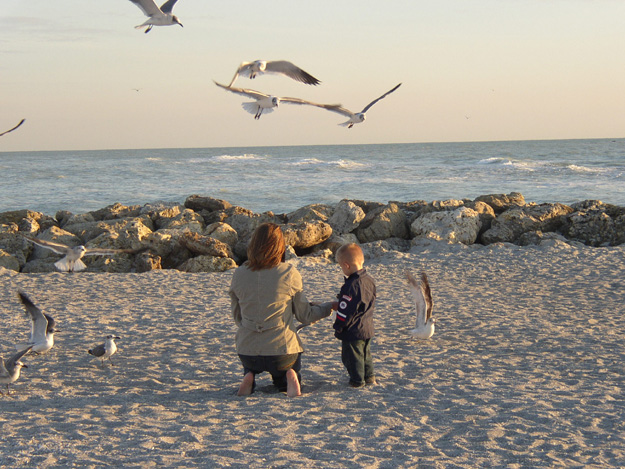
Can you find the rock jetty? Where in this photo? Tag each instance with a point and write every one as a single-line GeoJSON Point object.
{"type": "Point", "coordinates": [211, 235]}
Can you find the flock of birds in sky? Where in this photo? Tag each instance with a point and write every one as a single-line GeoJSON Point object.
{"type": "Point", "coordinates": [41, 340]}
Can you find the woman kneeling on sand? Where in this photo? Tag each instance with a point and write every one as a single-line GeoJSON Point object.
{"type": "Point", "coordinates": [267, 296]}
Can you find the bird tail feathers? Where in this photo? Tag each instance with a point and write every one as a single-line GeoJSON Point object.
{"type": "Point", "coordinates": [64, 265]}
{"type": "Point", "coordinates": [22, 347]}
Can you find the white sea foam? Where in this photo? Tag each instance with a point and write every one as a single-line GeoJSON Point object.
{"type": "Point", "coordinates": [586, 169]}
{"type": "Point", "coordinates": [244, 157]}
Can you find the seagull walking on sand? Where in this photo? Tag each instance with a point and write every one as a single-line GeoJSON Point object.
{"type": "Point", "coordinates": [11, 369]}
{"type": "Point", "coordinates": [71, 262]}
{"type": "Point", "coordinates": [105, 350]}
{"type": "Point", "coordinates": [280, 67]}
{"type": "Point", "coordinates": [41, 329]}
{"type": "Point", "coordinates": [157, 16]}
{"type": "Point", "coordinates": [358, 117]}
{"type": "Point", "coordinates": [11, 130]}
{"type": "Point", "coordinates": [266, 103]}
{"type": "Point", "coordinates": [420, 290]}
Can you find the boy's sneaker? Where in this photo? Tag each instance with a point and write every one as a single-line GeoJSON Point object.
{"type": "Point", "coordinates": [354, 384]}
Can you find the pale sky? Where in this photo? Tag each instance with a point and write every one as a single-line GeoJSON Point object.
{"type": "Point", "coordinates": [471, 70]}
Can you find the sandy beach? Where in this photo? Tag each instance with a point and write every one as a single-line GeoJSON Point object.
{"type": "Point", "coordinates": [525, 369]}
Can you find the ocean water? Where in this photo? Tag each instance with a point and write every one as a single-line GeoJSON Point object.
{"type": "Point", "coordinates": [283, 179]}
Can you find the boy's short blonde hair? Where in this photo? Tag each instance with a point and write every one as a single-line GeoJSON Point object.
{"type": "Point", "coordinates": [350, 253]}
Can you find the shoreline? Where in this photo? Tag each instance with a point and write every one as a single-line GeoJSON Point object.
{"type": "Point", "coordinates": [524, 369]}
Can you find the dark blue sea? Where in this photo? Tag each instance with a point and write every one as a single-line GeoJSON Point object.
{"type": "Point", "coordinates": [282, 179]}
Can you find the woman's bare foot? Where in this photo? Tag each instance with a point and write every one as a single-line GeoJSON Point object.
{"type": "Point", "coordinates": [246, 386]}
{"type": "Point", "coordinates": [292, 384]}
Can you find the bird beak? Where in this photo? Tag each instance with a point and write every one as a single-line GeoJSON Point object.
{"type": "Point", "coordinates": [24, 366]}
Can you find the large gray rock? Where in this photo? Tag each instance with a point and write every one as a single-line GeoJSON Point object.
{"type": "Point", "coordinates": [310, 213]}
{"type": "Point", "coordinates": [222, 232]}
{"type": "Point", "coordinates": [116, 210]}
{"type": "Point", "coordinates": [57, 235]}
{"type": "Point", "coordinates": [502, 202]}
{"type": "Point", "coordinates": [486, 213]}
{"type": "Point", "coordinates": [335, 241]}
{"type": "Point", "coordinates": [382, 223]}
{"type": "Point", "coordinates": [245, 221]}
{"type": "Point", "coordinates": [19, 216]}
{"type": "Point", "coordinates": [458, 226]}
{"type": "Point", "coordinates": [14, 244]}
{"type": "Point", "coordinates": [128, 234]}
{"type": "Point", "coordinates": [147, 261]}
{"type": "Point", "coordinates": [511, 224]}
{"type": "Point", "coordinates": [8, 261]}
{"type": "Point", "coordinates": [592, 227]}
{"type": "Point", "coordinates": [205, 245]}
{"type": "Point", "coordinates": [306, 235]}
{"type": "Point", "coordinates": [207, 264]}
{"type": "Point", "coordinates": [199, 203]}
{"type": "Point", "coordinates": [346, 217]}
{"type": "Point", "coordinates": [186, 220]}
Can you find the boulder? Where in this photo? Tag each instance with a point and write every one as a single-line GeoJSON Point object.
{"type": "Point", "coordinates": [310, 213]}
{"type": "Point", "coordinates": [207, 264]}
{"type": "Point", "coordinates": [502, 202]}
{"type": "Point", "coordinates": [8, 261]}
{"type": "Point", "coordinates": [458, 226]}
{"type": "Point", "coordinates": [306, 235]}
{"type": "Point", "coordinates": [16, 245]}
{"type": "Point", "coordinates": [199, 203]}
{"type": "Point", "coordinates": [486, 213]}
{"type": "Point", "coordinates": [512, 223]}
{"type": "Point", "coordinates": [205, 245]}
{"type": "Point", "coordinates": [532, 238]}
{"type": "Point", "coordinates": [159, 210]}
{"type": "Point", "coordinates": [17, 216]}
{"type": "Point", "coordinates": [335, 241]}
{"type": "Point", "coordinates": [346, 217]}
{"type": "Point", "coordinates": [381, 223]}
{"type": "Point", "coordinates": [245, 221]}
{"type": "Point", "coordinates": [186, 220]}
{"type": "Point", "coordinates": [367, 206]}
{"type": "Point", "coordinates": [9, 228]}
{"type": "Point", "coordinates": [57, 235]}
{"type": "Point", "coordinates": [222, 232]}
{"type": "Point", "coordinates": [619, 231]}
{"type": "Point", "coordinates": [147, 261]}
{"type": "Point", "coordinates": [592, 227]}
{"type": "Point", "coordinates": [381, 247]}
{"type": "Point", "coordinates": [128, 234]}
{"type": "Point", "coordinates": [116, 210]}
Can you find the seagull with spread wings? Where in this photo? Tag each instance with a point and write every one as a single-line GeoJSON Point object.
{"type": "Point", "coordinates": [11, 369]}
{"type": "Point", "coordinates": [420, 290]}
{"type": "Point", "coordinates": [71, 262]}
{"type": "Point", "coordinates": [157, 16]}
{"type": "Point", "coordinates": [41, 328]}
{"type": "Point", "coordinates": [280, 67]}
{"type": "Point", "coordinates": [265, 103]}
{"type": "Point", "coordinates": [358, 117]}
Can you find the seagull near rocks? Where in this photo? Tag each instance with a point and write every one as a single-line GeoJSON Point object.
{"type": "Point", "coordinates": [420, 290]}
{"type": "Point", "coordinates": [105, 350]}
{"type": "Point", "coordinates": [265, 103]}
{"type": "Point", "coordinates": [358, 117]}
{"type": "Point", "coordinates": [71, 262]}
{"type": "Point", "coordinates": [280, 67]}
{"type": "Point", "coordinates": [11, 130]}
{"type": "Point", "coordinates": [157, 16]}
{"type": "Point", "coordinates": [11, 369]}
{"type": "Point", "coordinates": [41, 329]}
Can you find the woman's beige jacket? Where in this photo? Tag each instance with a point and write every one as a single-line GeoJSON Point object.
{"type": "Point", "coordinates": [264, 306]}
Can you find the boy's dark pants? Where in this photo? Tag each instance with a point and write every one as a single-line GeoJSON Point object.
{"type": "Point", "coordinates": [356, 356]}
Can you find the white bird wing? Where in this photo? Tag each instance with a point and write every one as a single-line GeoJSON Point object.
{"type": "Point", "coordinates": [39, 323]}
{"type": "Point", "coordinates": [284, 67]}
{"type": "Point", "coordinates": [105, 252]}
{"type": "Point", "coordinates": [11, 130]}
{"type": "Point", "coordinates": [56, 247]}
{"type": "Point", "coordinates": [377, 99]}
{"type": "Point", "coordinates": [168, 6]}
{"type": "Point", "coordinates": [329, 107]}
{"type": "Point", "coordinates": [244, 69]}
{"type": "Point", "coordinates": [148, 7]}
{"type": "Point", "coordinates": [417, 293]}
{"type": "Point", "coordinates": [10, 364]}
{"type": "Point", "coordinates": [244, 92]}
{"type": "Point", "coordinates": [338, 109]}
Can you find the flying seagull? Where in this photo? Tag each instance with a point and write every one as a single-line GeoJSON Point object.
{"type": "Point", "coordinates": [10, 370]}
{"type": "Point", "coordinates": [41, 329]}
{"type": "Point", "coordinates": [420, 290]}
{"type": "Point", "coordinates": [11, 130]}
{"type": "Point", "coordinates": [358, 117]}
{"type": "Point", "coordinates": [71, 262]}
{"type": "Point", "coordinates": [105, 350]}
{"type": "Point", "coordinates": [265, 103]}
{"type": "Point", "coordinates": [157, 16]}
{"type": "Point", "coordinates": [280, 67]}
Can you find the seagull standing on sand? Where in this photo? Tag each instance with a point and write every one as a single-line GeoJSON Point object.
{"type": "Point", "coordinates": [420, 290]}
{"type": "Point", "coordinates": [73, 255]}
{"type": "Point", "coordinates": [11, 369]}
{"type": "Point", "coordinates": [358, 117]}
{"type": "Point", "coordinates": [157, 16]}
{"type": "Point", "coordinates": [105, 350]}
{"type": "Point", "coordinates": [280, 67]}
{"type": "Point", "coordinates": [265, 103]}
{"type": "Point", "coordinates": [11, 130]}
{"type": "Point", "coordinates": [41, 329]}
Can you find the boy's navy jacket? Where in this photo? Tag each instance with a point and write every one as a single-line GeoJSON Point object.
{"type": "Point", "coordinates": [354, 318]}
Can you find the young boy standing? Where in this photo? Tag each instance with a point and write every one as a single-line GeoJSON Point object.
{"type": "Point", "coordinates": [354, 316]}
